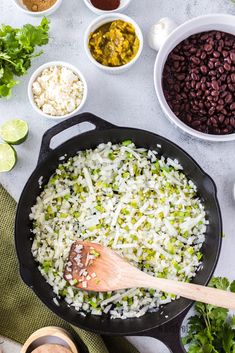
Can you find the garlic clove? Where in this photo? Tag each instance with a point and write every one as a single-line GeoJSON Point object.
{"type": "Point", "coordinates": [160, 31]}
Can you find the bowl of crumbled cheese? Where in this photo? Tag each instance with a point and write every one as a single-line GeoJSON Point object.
{"type": "Point", "coordinates": [57, 90]}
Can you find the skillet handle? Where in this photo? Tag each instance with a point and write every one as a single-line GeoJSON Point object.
{"type": "Point", "coordinates": [170, 333]}
{"type": "Point", "coordinates": [99, 123]}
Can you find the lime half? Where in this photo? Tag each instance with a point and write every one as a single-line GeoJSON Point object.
{"type": "Point", "coordinates": [14, 131]}
{"type": "Point", "coordinates": [8, 157]}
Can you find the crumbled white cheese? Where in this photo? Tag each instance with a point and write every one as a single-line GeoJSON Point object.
{"type": "Point", "coordinates": [58, 91]}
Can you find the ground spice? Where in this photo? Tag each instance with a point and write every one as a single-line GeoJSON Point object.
{"type": "Point", "coordinates": [38, 5]}
{"type": "Point", "coordinates": [106, 5]}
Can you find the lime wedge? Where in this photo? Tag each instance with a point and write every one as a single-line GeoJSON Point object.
{"type": "Point", "coordinates": [14, 131]}
{"type": "Point", "coordinates": [8, 157]}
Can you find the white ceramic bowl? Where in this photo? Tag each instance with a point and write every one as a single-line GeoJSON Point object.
{"type": "Point", "coordinates": [221, 22]}
{"type": "Point", "coordinates": [123, 5]}
{"type": "Point", "coordinates": [101, 21]}
{"type": "Point", "coordinates": [22, 7]}
{"type": "Point", "coordinates": [38, 72]}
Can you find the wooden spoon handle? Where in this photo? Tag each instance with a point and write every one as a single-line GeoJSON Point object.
{"type": "Point", "coordinates": [193, 291]}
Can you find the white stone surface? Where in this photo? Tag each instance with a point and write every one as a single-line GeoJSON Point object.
{"type": "Point", "coordinates": [126, 100]}
{"type": "Point", "coordinates": [8, 346]}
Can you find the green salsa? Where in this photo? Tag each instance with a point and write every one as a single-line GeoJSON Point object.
{"type": "Point", "coordinates": [114, 43]}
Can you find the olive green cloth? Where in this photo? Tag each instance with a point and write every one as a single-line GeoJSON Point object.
{"type": "Point", "coordinates": [21, 312]}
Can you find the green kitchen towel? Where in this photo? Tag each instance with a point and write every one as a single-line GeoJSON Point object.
{"type": "Point", "coordinates": [21, 312]}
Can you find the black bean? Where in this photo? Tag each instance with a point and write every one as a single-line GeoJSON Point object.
{"type": "Point", "coordinates": [221, 118]}
{"type": "Point", "coordinates": [221, 70]}
{"type": "Point", "coordinates": [232, 56]}
{"type": "Point", "coordinates": [195, 60]}
{"type": "Point", "coordinates": [196, 123]}
{"type": "Point", "coordinates": [201, 105]}
{"type": "Point", "coordinates": [212, 73]}
{"type": "Point", "coordinates": [207, 47]}
{"type": "Point", "coordinates": [194, 76]}
{"type": "Point", "coordinates": [214, 93]}
{"type": "Point", "coordinates": [228, 60]}
{"type": "Point", "coordinates": [219, 107]}
{"type": "Point", "coordinates": [170, 81]}
{"type": "Point", "coordinates": [223, 77]}
{"type": "Point", "coordinates": [221, 43]}
{"type": "Point", "coordinates": [199, 82]}
{"type": "Point", "coordinates": [203, 86]}
{"type": "Point", "coordinates": [211, 111]}
{"type": "Point", "coordinates": [231, 87]}
{"type": "Point", "coordinates": [175, 57]}
{"type": "Point", "coordinates": [224, 111]}
{"type": "Point", "coordinates": [227, 67]}
{"type": "Point", "coordinates": [177, 88]}
{"type": "Point", "coordinates": [215, 85]}
{"type": "Point", "coordinates": [211, 65]}
{"type": "Point", "coordinates": [193, 84]}
{"type": "Point", "coordinates": [176, 64]}
{"type": "Point", "coordinates": [228, 98]}
{"type": "Point", "coordinates": [181, 77]}
{"type": "Point", "coordinates": [213, 121]}
{"type": "Point", "coordinates": [232, 122]}
{"type": "Point", "coordinates": [216, 54]}
{"type": "Point", "coordinates": [204, 69]}
{"type": "Point", "coordinates": [205, 36]}
{"type": "Point", "coordinates": [189, 118]}
{"type": "Point", "coordinates": [203, 55]}
{"type": "Point", "coordinates": [232, 106]}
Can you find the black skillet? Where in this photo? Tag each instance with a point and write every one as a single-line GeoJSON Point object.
{"type": "Point", "coordinates": [164, 324]}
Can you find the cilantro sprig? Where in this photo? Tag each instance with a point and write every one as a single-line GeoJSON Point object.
{"type": "Point", "coordinates": [212, 329]}
{"type": "Point", "coordinates": [17, 47]}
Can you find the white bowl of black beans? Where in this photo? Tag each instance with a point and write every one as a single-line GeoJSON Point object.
{"type": "Point", "coordinates": [194, 77]}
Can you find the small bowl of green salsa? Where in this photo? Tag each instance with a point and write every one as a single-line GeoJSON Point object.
{"type": "Point", "coordinates": [113, 42]}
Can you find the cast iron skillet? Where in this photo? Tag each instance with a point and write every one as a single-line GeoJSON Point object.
{"type": "Point", "coordinates": [164, 324]}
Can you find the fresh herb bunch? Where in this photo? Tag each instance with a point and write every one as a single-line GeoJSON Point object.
{"type": "Point", "coordinates": [212, 329]}
{"type": "Point", "coordinates": [17, 47]}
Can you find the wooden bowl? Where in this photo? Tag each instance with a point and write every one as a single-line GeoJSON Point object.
{"type": "Point", "coordinates": [47, 337]}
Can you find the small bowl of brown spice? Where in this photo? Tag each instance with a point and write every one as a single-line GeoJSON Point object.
{"type": "Point", "coordinates": [38, 7]}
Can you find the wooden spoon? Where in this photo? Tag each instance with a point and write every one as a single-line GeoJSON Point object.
{"type": "Point", "coordinates": [108, 272]}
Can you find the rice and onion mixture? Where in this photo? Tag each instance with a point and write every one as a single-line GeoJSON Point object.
{"type": "Point", "coordinates": [129, 199]}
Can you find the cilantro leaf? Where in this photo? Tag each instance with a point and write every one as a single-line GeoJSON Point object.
{"type": "Point", "coordinates": [17, 46]}
{"type": "Point", "coordinates": [228, 338]}
{"type": "Point", "coordinates": [232, 287]}
{"type": "Point", "coordinates": [212, 329]}
{"type": "Point", "coordinates": [219, 283]}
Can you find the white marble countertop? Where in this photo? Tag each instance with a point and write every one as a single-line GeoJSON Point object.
{"type": "Point", "coordinates": [128, 100]}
